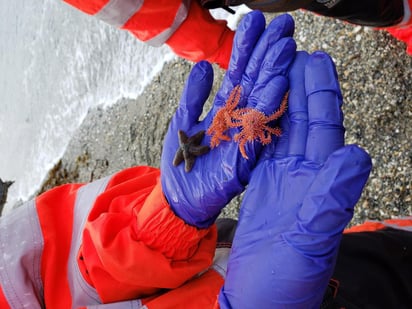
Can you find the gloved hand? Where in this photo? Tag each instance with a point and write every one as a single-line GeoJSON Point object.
{"type": "Point", "coordinates": [300, 198]}
{"type": "Point", "coordinates": [259, 63]}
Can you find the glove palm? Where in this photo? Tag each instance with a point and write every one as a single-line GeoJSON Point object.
{"type": "Point", "coordinates": [299, 199]}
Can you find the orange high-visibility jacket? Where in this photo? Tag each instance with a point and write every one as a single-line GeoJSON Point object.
{"type": "Point", "coordinates": [115, 241]}
{"type": "Point", "coordinates": [184, 25]}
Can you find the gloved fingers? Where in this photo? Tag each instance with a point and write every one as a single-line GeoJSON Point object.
{"type": "Point", "coordinates": [268, 99]}
{"type": "Point", "coordinates": [282, 143]}
{"type": "Point", "coordinates": [276, 61]}
{"type": "Point", "coordinates": [271, 86]}
{"type": "Point", "coordinates": [328, 206]}
{"type": "Point", "coordinates": [251, 211]}
{"type": "Point", "coordinates": [325, 117]}
{"type": "Point", "coordinates": [292, 142]}
{"type": "Point", "coordinates": [195, 94]}
{"type": "Point", "coordinates": [247, 35]}
{"type": "Point", "coordinates": [280, 27]}
{"type": "Point", "coordinates": [298, 106]}
{"type": "Point", "coordinates": [279, 147]}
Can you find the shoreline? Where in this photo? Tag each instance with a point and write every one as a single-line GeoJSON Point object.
{"type": "Point", "coordinates": [376, 80]}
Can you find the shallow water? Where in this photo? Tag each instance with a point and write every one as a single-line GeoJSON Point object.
{"type": "Point", "coordinates": [56, 63]}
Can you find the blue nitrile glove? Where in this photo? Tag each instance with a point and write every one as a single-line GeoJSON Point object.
{"type": "Point", "coordinates": [259, 63]}
{"type": "Point", "coordinates": [300, 198]}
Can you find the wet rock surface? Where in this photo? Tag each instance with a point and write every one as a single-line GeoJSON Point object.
{"type": "Point", "coordinates": [4, 188]}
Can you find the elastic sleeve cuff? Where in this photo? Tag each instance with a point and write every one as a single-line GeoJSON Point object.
{"type": "Point", "coordinates": [160, 229]}
{"type": "Point", "coordinates": [133, 245]}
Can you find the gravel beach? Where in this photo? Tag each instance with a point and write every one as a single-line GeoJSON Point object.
{"type": "Point", "coordinates": [376, 79]}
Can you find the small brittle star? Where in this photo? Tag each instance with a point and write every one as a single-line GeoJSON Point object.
{"type": "Point", "coordinates": [189, 149]}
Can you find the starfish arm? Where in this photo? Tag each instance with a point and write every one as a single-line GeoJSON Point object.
{"type": "Point", "coordinates": [210, 130]}
{"type": "Point", "coordinates": [199, 150]}
{"type": "Point", "coordinates": [214, 142]}
{"type": "Point", "coordinates": [265, 138]}
{"type": "Point", "coordinates": [178, 157]}
{"type": "Point", "coordinates": [197, 138]}
{"type": "Point", "coordinates": [281, 110]}
{"type": "Point", "coordinates": [242, 149]}
{"type": "Point", "coordinates": [183, 139]}
{"type": "Point", "coordinates": [234, 97]}
{"type": "Point", "coordinates": [189, 149]}
{"type": "Point", "coordinates": [275, 131]}
{"type": "Point", "coordinates": [189, 162]}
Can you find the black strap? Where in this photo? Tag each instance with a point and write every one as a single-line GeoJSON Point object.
{"type": "Point", "coordinates": [223, 4]}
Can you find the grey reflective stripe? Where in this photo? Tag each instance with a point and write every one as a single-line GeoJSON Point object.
{"type": "Point", "coordinates": [21, 246]}
{"type": "Point", "coordinates": [398, 227]}
{"type": "Point", "coordinates": [406, 14]}
{"type": "Point", "coordinates": [220, 261]}
{"type": "Point", "coordinates": [180, 17]}
{"type": "Point", "coordinates": [131, 304]}
{"type": "Point", "coordinates": [82, 293]}
{"type": "Point", "coordinates": [118, 12]}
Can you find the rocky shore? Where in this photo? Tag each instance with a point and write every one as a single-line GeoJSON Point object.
{"type": "Point", "coordinates": [376, 80]}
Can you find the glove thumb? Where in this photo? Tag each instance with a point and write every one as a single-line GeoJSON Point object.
{"type": "Point", "coordinates": [195, 94]}
{"type": "Point", "coordinates": [328, 206]}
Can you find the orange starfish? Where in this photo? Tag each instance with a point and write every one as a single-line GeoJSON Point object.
{"type": "Point", "coordinates": [223, 118]}
{"type": "Point", "coordinates": [253, 124]}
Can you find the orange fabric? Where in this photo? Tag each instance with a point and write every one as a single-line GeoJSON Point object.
{"type": "Point", "coordinates": [199, 293]}
{"type": "Point", "coordinates": [133, 243]}
{"type": "Point", "coordinates": [3, 302]}
{"type": "Point", "coordinates": [126, 255]}
{"type": "Point", "coordinates": [55, 211]}
{"type": "Point", "coordinates": [403, 34]}
{"type": "Point", "coordinates": [88, 6]}
{"type": "Point", "coordinates": [153, 18]}
{"type": "Point", "coordinates": [201, 37]}
{"type": "Point", "coordinates": [401, 222]}
{"type": "Point", "coordinates": [370, 226]}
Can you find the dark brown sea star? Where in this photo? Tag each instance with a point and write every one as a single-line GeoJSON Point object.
{"type": "Point", "coordinates": [189, 149]}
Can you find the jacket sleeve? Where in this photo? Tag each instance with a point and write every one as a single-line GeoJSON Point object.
{"type": "Point", "coordinates": [189, 29]}
{"type": "Point", "coordinates": [201, 37]}
{"type": "Point", "coordinates": [134, 245]}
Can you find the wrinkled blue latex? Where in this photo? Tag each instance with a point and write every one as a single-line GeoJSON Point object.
{"type": "Point", "coordinates": [259, 62]}
{"type": "Point", "coordinates": [299, 199]}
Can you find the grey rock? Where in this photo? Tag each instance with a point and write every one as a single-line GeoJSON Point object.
{"type": "Point", "coordinates": [4, 188]}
